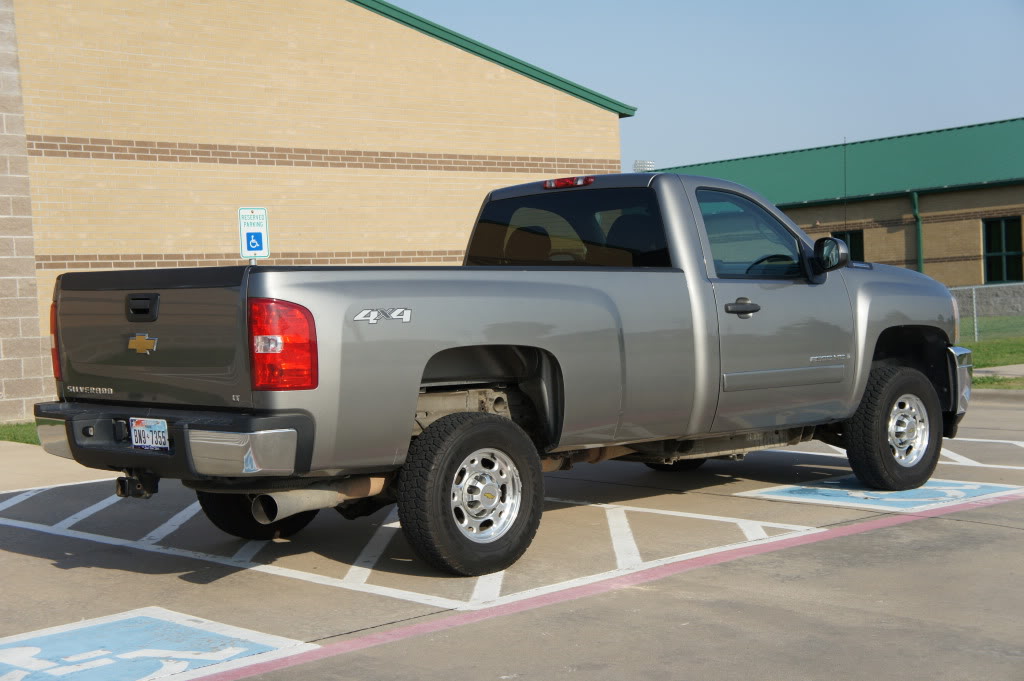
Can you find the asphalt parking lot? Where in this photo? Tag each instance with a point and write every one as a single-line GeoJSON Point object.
{"type": "Point", "coordinates": [776, 567]}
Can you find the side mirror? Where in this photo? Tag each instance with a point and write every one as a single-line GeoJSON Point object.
{"type": "Point", "coordinates": [830, 254]}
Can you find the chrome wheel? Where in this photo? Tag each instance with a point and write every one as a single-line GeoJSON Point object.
{"type": "Point", "coordinates": [908, 430]}
{"type": "Point", "coordinates": [486, 495]}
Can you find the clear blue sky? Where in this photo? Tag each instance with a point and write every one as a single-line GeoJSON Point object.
{"type": "Point", "coordinates": [718, 79]}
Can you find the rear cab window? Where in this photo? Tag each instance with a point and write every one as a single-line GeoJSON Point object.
{"type": "Point", "coordinates": [589, 228]}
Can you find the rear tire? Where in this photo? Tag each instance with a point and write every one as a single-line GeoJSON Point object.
{"type": "Point", "coordinates": [471, 493]}
{"type": "Point", "coordinates": [894, 439]}
{"type": "Point", "coordinates": [232, 513]}
{"type": "Point", "coordinates": [678, 466]}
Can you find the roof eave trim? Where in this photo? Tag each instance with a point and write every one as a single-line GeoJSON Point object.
{"type": "Point", "coordinates": [904, 192]}
{"type": "Point", "coordinates": [496, 56]}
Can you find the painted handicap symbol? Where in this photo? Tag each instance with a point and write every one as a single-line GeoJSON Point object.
{"type": "Point", "coordinates": [848, 491]}
{"type": "Point", "coordinates": [139, 645]}
{"type": "Point", "coordinates": [26, 660]}
{"type": "Point", "coordinates": [935, 493]}
{"type": "Point", "coordinates": [932, 493]}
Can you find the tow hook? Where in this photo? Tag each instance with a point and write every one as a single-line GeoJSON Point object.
{"type": "Point", "coordinates": [137, 484]}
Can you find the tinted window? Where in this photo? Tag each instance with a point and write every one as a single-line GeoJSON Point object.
{"type": "Point", "coordinates": [854, 239]}
{"type": "Point", "coordinates": [586, 227]}
{"type": "Point", "coordinates": [1003, 253]}
{"type": "Point", "coordinates": [747, 242]}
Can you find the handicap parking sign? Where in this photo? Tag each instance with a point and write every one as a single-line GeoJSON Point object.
{"type": "Point", "coordinates": [143, 644]}
{"type": "Point", "coordinates": [254, 234]}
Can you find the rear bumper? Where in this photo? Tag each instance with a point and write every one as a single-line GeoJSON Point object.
{"type": "Point", "coordinates": [203, 444]}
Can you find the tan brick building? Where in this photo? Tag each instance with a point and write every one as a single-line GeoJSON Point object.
{"type": "Point", "coordinates": [946, 202]}
{"type": "Point", "coordinates": [133, 132]}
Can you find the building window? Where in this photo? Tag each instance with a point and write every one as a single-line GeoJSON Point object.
{"type": "Point", "coordinates": [1003, 254]}
{"type": "Point", "coordinates": [854, 239]}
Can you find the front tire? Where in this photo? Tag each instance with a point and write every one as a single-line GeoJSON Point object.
{"type": "Point", "coordinates": [232, 513]}
{"type": "Point", "coordinates": [894, 439]}
{"type": "Point", "coordinates": [471, 493]}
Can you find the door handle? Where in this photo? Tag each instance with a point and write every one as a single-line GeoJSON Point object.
{"type": "Point", "coordinates": [742, 307]}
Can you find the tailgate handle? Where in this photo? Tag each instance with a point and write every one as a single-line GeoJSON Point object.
{"type": "Point", "coordinates": [142, 307]}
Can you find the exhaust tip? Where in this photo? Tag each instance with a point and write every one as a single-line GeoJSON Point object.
{"type": "Point", "coordinates": [264, 509]}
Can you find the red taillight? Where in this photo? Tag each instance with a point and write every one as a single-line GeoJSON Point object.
{"type": "Point", "coordinates": [282, 345]}
{"type": "Point", "coordinates": [565, 182]}
{"type": "Point", "coordinates": [54, 351]}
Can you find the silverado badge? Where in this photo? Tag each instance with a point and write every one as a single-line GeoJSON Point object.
{"type": "Point", "coordinates": [142, 343]}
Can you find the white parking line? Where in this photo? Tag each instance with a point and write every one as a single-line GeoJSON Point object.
{"type": "Point", "coordinates": [591, 579]}
{"type": "Point", "coordinates": [247, 552]}
{"type": "Point", "coordinates": [43, 488]}
{"type": "Point", "coordinates": [958, 458]}
{"type": "Point", "coordinates": [415, 597]}
{"type": "Point", "coordinates": [176, 521]}
{"type": "Point", "coordinates": [1018, 443]}
{"type": "Point", "coordinates": [487, 588]}
{"type": "Point", "coordinates": [627, 554]}
{"type": "Point", "coordinates": [15, 500]}
{"type": "Point", "coordinates": [86, 512]}
{"type": "Point", "coordinates": [983, 465]}
{"type": "Point", "coordinates": [973, 464]}
{"type": "Point", "coordinates": [684, 514]}
{"type": "Point", "coordinates": [374, 549]}
{"type": "Point", "coordinates": [752, 530]}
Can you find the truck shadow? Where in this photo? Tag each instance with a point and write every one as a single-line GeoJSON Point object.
{"type": "Point", "coordinates": [620, 481]}
{"type": "Point", "coordinates": [196, 552]}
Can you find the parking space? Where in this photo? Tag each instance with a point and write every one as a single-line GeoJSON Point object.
{"type": "Point", "coordinates": [78, 551]}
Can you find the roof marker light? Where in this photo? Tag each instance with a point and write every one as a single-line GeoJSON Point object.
{"type": "Point", "coordinates": [566, 182]}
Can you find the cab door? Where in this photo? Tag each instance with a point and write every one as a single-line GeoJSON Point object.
{"type": "Point", "coordinates": [787, 344]}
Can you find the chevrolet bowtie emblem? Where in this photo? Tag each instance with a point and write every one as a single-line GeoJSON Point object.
{"type": "Point", "coordinates": [142, 343]}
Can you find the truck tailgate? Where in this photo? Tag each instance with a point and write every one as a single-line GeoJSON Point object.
{"type": "Point", "coordinates": [171, 337]}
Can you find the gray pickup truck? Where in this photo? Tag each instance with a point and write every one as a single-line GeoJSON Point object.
{"type": "Point", "coordinates": [655, 318]}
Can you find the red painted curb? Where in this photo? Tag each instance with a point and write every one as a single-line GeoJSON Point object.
{"type": "Point", "coordinates": [612, 583]}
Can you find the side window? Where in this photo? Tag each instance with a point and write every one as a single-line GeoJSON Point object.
{"type": "Point", "coordinates": [747, 242]}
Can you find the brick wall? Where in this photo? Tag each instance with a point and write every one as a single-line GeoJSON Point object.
{"type": "Point", "coordinates": [24, 370]}
{"type": "Point", "coordinates": [951, 226]}
{"type": "Point", "coordinates": [367, 141]}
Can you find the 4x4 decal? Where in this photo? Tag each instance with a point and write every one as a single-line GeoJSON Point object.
{"type": "Point", "coordinates": [375, 315]}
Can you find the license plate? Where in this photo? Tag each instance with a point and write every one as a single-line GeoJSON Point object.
{"type": "Point", "coordinates": [149, 434]}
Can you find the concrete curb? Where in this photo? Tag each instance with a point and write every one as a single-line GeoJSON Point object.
{"type": "Point", "coordinates": [994, 395]}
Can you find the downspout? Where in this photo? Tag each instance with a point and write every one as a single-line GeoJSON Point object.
{"type": "Point", "coordinates": [918, 231]}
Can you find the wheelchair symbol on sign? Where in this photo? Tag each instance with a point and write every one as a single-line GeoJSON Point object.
{"type": "Point", "coordinates": [255, 241]}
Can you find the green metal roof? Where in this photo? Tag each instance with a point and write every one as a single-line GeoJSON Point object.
{"type": "Point", "coordinates": [489, 53]}
{"type": "Point", "coordinates": [988, 153]}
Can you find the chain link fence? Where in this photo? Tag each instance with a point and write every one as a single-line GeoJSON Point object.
{"type": "Point", "coordinates": [991, 311]}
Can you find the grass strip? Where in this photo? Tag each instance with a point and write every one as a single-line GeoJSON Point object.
{"type": "Point", "coordinates": [19, 432]}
